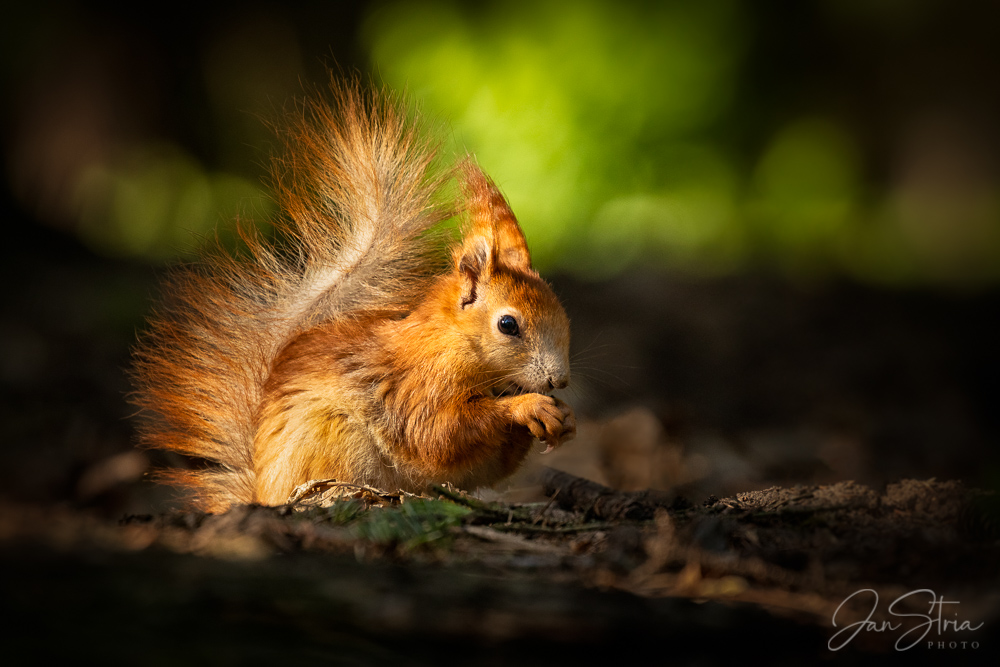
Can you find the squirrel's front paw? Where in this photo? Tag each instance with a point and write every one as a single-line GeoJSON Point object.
{"type": "Point", "coordinates": [549, 419]}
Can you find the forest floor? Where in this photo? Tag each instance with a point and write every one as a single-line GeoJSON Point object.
{"type": "Point", "coordinates": [352, 576]}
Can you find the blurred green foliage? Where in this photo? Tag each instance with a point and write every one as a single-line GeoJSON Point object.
{"type": "Point", "coordinates": [158, 202]}
{"type": "Point", "coordinates": [624, 133]}
{"type": "Point", "coordinates": [605, 124]}
{"type": "Point", "coordinates": [589, 116]}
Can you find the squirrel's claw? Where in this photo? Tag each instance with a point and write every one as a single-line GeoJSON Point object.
{"type": "Point", "coordinates": [549, 419]}
{"type": "Point", "coordinates": [567, 429]}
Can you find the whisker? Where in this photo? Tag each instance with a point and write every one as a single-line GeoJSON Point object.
{"type": "Point", "coordinates": [602, 375]}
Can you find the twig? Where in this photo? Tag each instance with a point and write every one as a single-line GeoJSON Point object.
{"type": "Point", "coordinates": [531, 528]}
{"type": "Point", "coordinates": [576, 493]}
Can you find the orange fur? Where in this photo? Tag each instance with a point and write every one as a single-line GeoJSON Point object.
{"type": "Point", "coordinates": [351, 353]}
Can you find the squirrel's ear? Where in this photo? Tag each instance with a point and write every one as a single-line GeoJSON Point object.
{"type": "Point", "coordinates": [493, 237]}
{"type": "Point", "coordinates": [492, 219]}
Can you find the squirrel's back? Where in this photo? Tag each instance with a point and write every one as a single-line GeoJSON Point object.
{"type": "Point", "coordinates": [358, 191]}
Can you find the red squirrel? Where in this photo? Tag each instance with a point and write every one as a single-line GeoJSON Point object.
{"type": "Point", "coordinates": [346, 348]}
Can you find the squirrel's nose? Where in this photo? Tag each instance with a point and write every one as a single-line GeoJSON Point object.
{"type": "Point", "coordinates": [559, 382]}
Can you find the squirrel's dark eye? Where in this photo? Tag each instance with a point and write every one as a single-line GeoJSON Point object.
{"type": "Point", "coordinates": [507, 325]}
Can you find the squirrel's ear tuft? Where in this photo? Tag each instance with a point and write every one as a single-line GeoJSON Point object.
{"type": "Point", "coordinates": [492, 219]}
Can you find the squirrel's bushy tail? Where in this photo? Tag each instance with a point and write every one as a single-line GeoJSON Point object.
{"type": "Point", "coordinates": [358, 191]}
